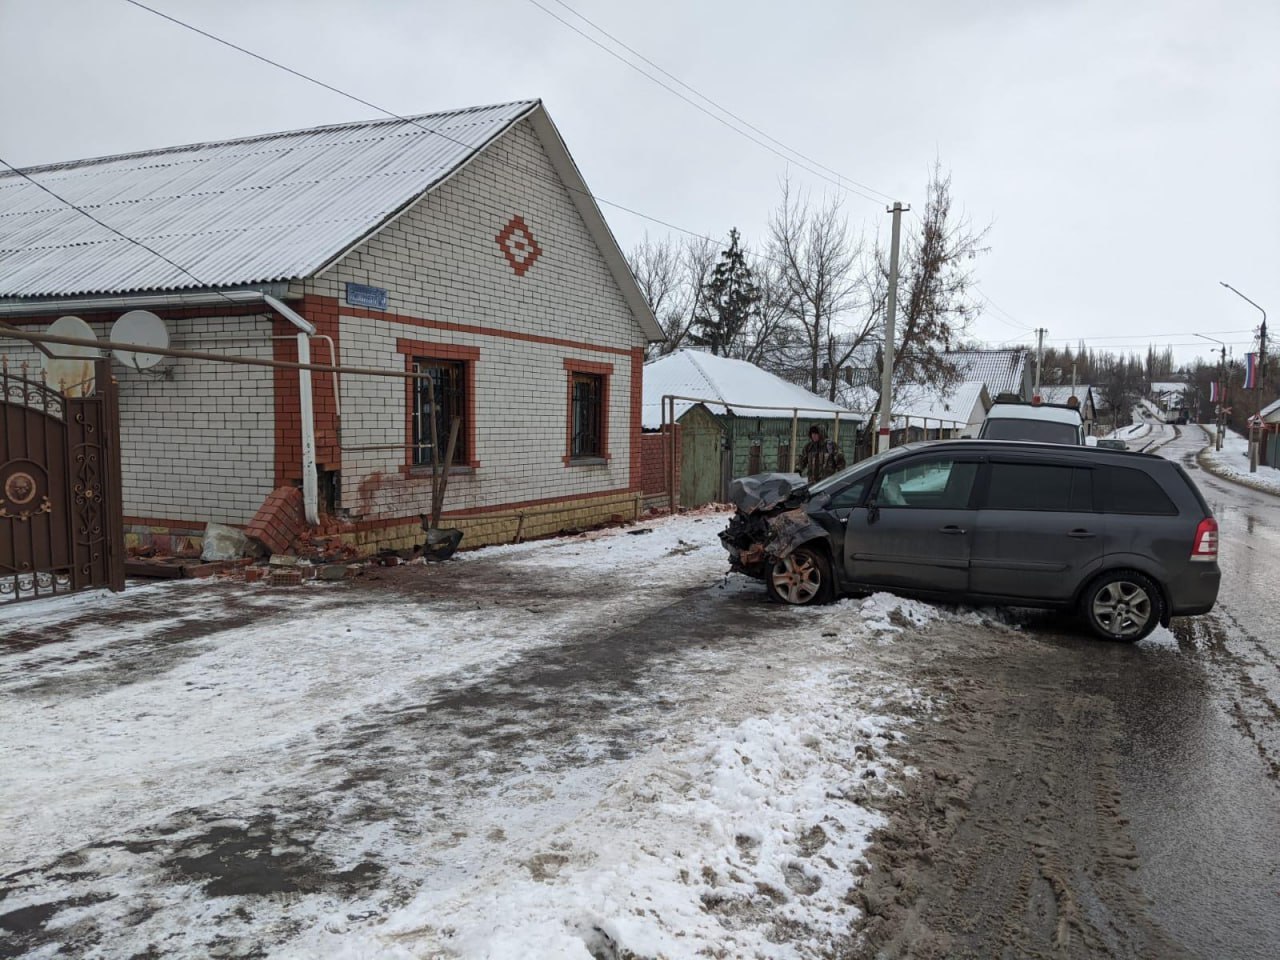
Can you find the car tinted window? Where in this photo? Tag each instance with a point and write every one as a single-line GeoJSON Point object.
{"type": "Point", "coordinates": [1039, 486]}
{"type": "Point", "coordinates": [1125, 490]}
{"type": "Point", "coordinates": [1040, 431]}
{"type": "Point", "coordinates": [932, 484]}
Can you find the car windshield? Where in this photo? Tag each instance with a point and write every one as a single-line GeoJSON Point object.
{"type": "Point", "coordinates": [1040, 431]}
{"type": "Point", "coordinates": [836, 479]}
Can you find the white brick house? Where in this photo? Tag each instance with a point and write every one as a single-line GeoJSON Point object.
{"type": "Point", "coordinates": [469, 250]}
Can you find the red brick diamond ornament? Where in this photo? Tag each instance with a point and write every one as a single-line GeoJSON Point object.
{"type": "Point", "coordinates": [518, 246]}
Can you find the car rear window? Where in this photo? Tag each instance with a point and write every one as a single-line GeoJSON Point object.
{"type": "Point", "coordinates": [1039, 486]}
{"type": "Point", "coordinates": [1125, 490]}
{"type": "Point", "coordinates": [1039, 431]}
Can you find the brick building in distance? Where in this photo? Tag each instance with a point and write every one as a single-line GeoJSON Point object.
{"type": "Point", "coordinates": [463, 245]}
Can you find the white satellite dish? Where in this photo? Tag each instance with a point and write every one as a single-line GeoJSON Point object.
{"type": "Point", "coordinates": [144, 329]}
{"type": "Point", "coordinates": [70, 369]}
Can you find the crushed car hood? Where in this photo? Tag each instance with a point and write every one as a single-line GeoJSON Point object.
{"type": "Point", "coordinates": [765, 491]}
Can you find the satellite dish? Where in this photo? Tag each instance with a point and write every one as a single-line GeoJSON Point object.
{"type": "Point", "coordinates": [144, 329]}
{"type": "Point", "coordinates": [70, 368]}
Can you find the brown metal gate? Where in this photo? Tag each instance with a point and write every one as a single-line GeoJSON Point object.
{"type": "Point", "coordinates": [60, 507]}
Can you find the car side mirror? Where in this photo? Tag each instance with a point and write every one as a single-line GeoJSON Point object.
{"type": "Point", "coordinates": [873, 511]}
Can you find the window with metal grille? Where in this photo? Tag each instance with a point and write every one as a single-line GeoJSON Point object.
{"type": "Point", "coordinates": [587, 428]}
{"type": "Point", "coordinates": [443, 391]}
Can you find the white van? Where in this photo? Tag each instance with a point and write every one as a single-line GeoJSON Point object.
{"type": "Point", "coordinates": [1039, 422]}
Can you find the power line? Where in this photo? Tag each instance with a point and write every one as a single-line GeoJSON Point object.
{"type": "Point", "coordinates": [841, 178]}
{"type": "Point", "coordinates": [412, 122]}
{"type": "Point", "coordinates": [1016, 324]}
{"type": "Point", "coordinates": [1121, 336]}
{"type": "Point", "coordinates": [697, 106]}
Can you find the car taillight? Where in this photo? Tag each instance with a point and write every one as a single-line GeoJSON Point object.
{"type": "Point", "coordinates": [1206, 542]}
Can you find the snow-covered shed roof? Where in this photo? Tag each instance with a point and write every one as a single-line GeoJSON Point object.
{"type": "Point", "coordinates": [956, 405]}
{"type": "Point", "coordinates": [1170, 386]}
{"type": "Point", "coordinates": [262, 209]}
{"type": "Point", "coordinates": [724, 384]}
{"type": "Point", "coordinates": [1001, 370]}
{"type": "Point", "coordinates": [1061, 393]}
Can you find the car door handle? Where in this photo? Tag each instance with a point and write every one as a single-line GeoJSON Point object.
{"type": "Point", "coordinates": [1081, 535]}
{"type": "Point", "coordinates": [951, 528]}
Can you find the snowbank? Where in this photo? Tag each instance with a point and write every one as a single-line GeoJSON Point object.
{"type": "Point", "coordinates": [1232, 461]}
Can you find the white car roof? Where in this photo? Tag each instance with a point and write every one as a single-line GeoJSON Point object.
{"type": "Point", "coordinates": [1028, 411]}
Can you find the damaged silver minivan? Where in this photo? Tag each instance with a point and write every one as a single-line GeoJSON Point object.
{"type": "Point", "coordinates": [1125, 539]}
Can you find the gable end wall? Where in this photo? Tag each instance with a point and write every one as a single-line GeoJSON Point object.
{"type": "Point", "coordinates": [451, 290]}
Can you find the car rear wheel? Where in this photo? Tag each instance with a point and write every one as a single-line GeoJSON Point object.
{"type": "Point", "coordinates": [801, 578]}
{"type": "Point", "coordinates": [1122, 605]}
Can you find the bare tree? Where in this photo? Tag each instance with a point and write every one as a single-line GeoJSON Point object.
{"type": "Point", "coordinates": [656, 266]}
{"type": "Point", "coordinates": [934, 309]}
{"type": "Point", "coordinates": [1119, 382]}
{"type": "Point", "coordinates": [822, 285]}
{"type": "Point", "coordinates": [937, 310]}
{"type": "Point", "coordinates": [770, 337]}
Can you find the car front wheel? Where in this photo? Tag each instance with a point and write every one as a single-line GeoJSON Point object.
{"type": "Point", "coordinates": [801, 578]}
{"type": "Point", "coordinates": [1124, 605]}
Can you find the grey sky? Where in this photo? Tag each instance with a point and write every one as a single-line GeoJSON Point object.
{"type": "Point", "coordinates": [1125, 151]}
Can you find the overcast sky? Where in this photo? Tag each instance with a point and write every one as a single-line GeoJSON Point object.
{"type": "Point", "coordinates": [1124, 151]}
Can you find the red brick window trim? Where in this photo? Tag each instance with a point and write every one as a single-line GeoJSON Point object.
{"type": "Point", "coordinates": [416, 352]}
{"type": "Point", "coordinates": [587, 414]}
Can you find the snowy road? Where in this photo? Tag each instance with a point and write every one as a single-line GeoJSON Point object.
{"type": "Point", "coordinates": [566, 749]}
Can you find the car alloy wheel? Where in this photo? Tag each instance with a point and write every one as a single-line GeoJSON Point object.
{"type": "Point", "coordinates": [797, 578]}
{"type": "Point", "coordinates": [1123, 609]}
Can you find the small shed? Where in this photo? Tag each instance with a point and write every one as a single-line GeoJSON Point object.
{"type": "Point", "coordinates": [943, 414]}
{"type": "Point", "coordinates": [737, 419]}
{"type": "Point", "coordinates": [1082, 392]}
{"type": "Point", "coordinates": [1270, 450]}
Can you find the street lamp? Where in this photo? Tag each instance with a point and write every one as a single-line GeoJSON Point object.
{"type": "Point", "coordinates": [1222, 391]}
{"type": "Point", "coordinates": [1257, 387]}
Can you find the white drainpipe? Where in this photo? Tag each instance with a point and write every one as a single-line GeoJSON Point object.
{"type": "Point", "coordinates": [306, 410]}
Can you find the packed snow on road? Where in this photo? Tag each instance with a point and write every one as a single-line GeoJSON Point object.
{"type": "Point", "coordinates": [574, 748]}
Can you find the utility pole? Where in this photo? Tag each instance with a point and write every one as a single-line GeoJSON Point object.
{"type": "Point", "coordinates": [891, 314]}
{"type": "Point", "coordinates": [1255, 424]}
{"type": "Point", "coordinates": [1262, 380]}
{"type": "Point", "coordinates": [1039, 358]}
{"type": "Point", "coordinates": [1222, 399]}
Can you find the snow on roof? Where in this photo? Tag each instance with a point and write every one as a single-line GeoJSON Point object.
{"type": "Point", "coordinates": [1170, 386]}
{"type": "Point", "coordinates": [1271, 412]}
{"type": "Point", "coordinates": [1061, 393]}
{"type": "Point", "coordinates": [956, 405]}
{"type": "Point", "coordinates": [1000, 370]}
{"type": "Point", "coordinates": [723, 384]}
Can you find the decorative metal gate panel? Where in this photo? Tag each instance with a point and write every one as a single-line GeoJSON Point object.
{"type": "Point", "coordinates": [60, 508]}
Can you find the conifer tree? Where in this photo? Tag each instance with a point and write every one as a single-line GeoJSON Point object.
{"type": "Point", "coordinates": [730, 300]}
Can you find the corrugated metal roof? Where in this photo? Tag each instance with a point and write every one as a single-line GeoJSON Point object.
{"type": "Point", "coordinates": [1000, 370]}
{"type": "Point", "coordinates": [692, 373]}
{"type": "Point", "coordinates": [255, 210]}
